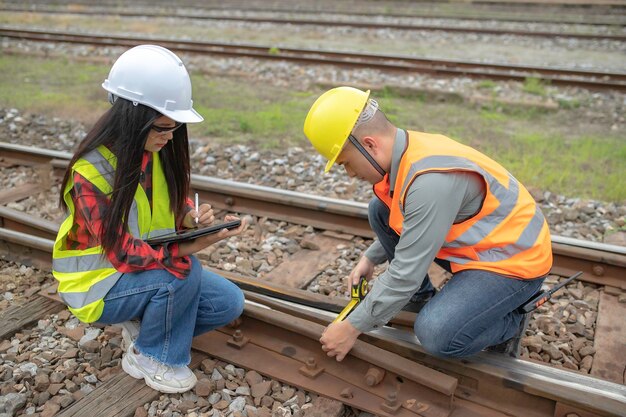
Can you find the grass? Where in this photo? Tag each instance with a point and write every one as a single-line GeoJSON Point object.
{"type": "Point", "coordinates": [51, 86]}
{"type": "Point", "coordinates": [487, 85]}
{"type": "Point", "coordinates": [566, 165]}
{"type": "Point", "coordinates": [535, 86]}
{"type": "Point", "coordinates": [560, 151]}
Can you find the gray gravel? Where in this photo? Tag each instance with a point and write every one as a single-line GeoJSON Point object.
{"type": "Point", "coordinates": [561, 332]}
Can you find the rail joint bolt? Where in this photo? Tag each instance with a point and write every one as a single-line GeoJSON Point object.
{"type": "Point", "coordinates": [374, 376]}
{"type": "Point", "coordinates": [238, 340]}
{"type": "Point", "coordinates": [310, 368]}
{"type": "Point", "coordinates": [391, 404]}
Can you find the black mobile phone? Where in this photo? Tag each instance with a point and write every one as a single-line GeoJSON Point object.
{"type": "Point", "coordinates": [191, 234]}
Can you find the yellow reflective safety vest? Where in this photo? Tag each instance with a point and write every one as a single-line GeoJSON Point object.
{"type": "Point", "coordinates": [86, 276]}
{"type": "Point", "coordinates": [509, 234]}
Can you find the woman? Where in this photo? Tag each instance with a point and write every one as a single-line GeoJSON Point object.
{"type": "Point", "coordinates": [128, 181]}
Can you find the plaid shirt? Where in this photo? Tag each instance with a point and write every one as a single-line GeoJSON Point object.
{"type": "Point", "coordinates": [134, 255]}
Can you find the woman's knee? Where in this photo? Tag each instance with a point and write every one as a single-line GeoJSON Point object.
{"type": "Point", "coordinates": [232, 300]}
{"type": "Point", "coordinates": [238, 303]}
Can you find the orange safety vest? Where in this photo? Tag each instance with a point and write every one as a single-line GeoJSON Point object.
{"type": "Point", "coordinates": [509, 234]}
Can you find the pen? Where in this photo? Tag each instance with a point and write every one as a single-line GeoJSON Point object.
{"type": "Point", "coordinates": [197, 212]}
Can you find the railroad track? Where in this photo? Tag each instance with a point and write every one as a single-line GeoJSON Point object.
{"type": "Point", "coordinates": [444, 68]}
{"type": "Point", "coordinates": [602, 264]}
{"type": "Point", "coordinates": [610, 12]}
{"type": "Point", "coordinates": [279, 318]}
{"type": "Point", "coordinates": [363, 24]}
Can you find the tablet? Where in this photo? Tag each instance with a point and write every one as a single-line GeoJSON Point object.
{"type": "Point", "coordinates": [191, 234]}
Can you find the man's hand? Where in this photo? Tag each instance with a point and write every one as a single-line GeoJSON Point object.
{"type": "Point", "coordinates": [338, 339]}
{"type": "Point", "coordinates": [364, 268]}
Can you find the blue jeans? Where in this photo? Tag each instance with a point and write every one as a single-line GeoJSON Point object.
{"type": "Point", "coordinates": [474, 310]}
{"type": "Point", "coordinates": [172, 311]}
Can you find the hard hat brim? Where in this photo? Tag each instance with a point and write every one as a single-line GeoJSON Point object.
{"type": "Point", "coordinates": [331, 161]}
{"type": "Point", "coordinates": [183, 116]}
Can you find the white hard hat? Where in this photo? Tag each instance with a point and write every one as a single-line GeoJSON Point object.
{"type": "Point", "coordinates": [156, 77]}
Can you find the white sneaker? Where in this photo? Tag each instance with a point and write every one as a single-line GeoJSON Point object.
{"type": "Point", "coordinates": [130, 331]}
{"type": "Point", "coordinates": [157, 375]}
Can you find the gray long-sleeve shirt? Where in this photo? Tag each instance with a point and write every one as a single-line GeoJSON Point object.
{"type": "Point", "coordinates": [433, 203]}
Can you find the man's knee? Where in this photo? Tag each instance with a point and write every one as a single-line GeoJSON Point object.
{"type": "Point", "coordinates": [436, 336]}
{"type": "Point", "coordinates": [377, 209]}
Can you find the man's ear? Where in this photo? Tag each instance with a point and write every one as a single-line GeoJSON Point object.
{"type": "Point", "coordinates": [370, 143]}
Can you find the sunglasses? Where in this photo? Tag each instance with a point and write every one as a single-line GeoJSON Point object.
{"type": "Point", "coordinates": [166, 129]}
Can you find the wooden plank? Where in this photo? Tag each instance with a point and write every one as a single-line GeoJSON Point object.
{"type": "Point", "coordinates": [609, 362]}
{"type": "Point", "coordinates": [19, 193]}
{"type": "Point", "coordinates": [17, 317]}
{"type": "Point", "coordinates": [300, 268]}
{"type": "Point", "coordinates": [119, 396]}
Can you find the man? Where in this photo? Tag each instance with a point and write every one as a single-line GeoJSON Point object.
{"type": "Point", "coordinates": [436, 199]}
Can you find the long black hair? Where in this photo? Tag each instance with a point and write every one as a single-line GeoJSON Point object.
{"type": "Point", "coordinates": [124, 130]}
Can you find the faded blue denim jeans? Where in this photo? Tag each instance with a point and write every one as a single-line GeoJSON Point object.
{"type": "Point", "coordinates": [172, 311]}
{"type": "Point", "coordinates": [474, 310]}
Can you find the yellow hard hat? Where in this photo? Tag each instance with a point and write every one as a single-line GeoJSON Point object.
{"type": "Point", "coordinates": [331, 120]}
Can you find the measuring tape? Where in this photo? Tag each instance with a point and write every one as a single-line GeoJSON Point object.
{"type": "Point", "coordinates": [357, 294]}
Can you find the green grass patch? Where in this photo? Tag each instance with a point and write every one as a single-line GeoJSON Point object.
{"type": "Point", "coordinates": [568, 104]}
{"type": "Point", "coordinates": [487, 85]}
{"type": "Point", "coordinates": [236, 111]}
{"type": "Point", "coordinates": [565, 165]}
{"type": "Point", "coordinates": [52, 85]}
{"type": "Point", "coordinates": [492, 115]}
{"type": "Point", "coordinates": [535, 86]}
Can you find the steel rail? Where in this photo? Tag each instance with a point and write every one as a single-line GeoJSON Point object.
{"type": "Point", "coordinates": [447, 68]}
{"type": "Point", "coordinates": [27, 232]}
{"type": "Point", "coordinates": [319, 22]}
{"type": "Point", "coordinates": [602, 264]}
{"type": "Point", "coordinates": [580, 17]}
{"type": "Point", "coordinates": [527, 386]}
{"type": "Point", "coordinates": [560, 385]}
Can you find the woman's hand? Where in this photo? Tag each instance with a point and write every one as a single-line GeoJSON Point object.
{"type": "Point", "coordinates": [364, 268]}
{"type": "Point", "coordinates": [196, 245]}
{"type": "Point", "coordinates": [205, 217]}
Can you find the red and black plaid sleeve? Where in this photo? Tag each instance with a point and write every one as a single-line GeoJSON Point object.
{"type": "Point", "coordinates": [134, 254]}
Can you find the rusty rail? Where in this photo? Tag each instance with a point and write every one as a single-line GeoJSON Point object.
{"type": "Point", "coordinates": [283, 333]}
{"type": "Point", "coordinates": [444, 68]}
{"type": "Point", "coordinates": [388, 373]}
{"type": "Point", "coordinates": [601, 264]}
{"type": "Point", "coordinates": [347, 9]}
{"type": "Point", "coordinates": [484, 377]}
{"type": "Point", "coordinates": [365, 24]}
{"type": "Point", "coordinates": [479, 379]}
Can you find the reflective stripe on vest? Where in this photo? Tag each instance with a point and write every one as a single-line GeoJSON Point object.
{"type": "Point", "coordinates": [86, 276]}
{"type": "Point", "coordinates": [509, 235]}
